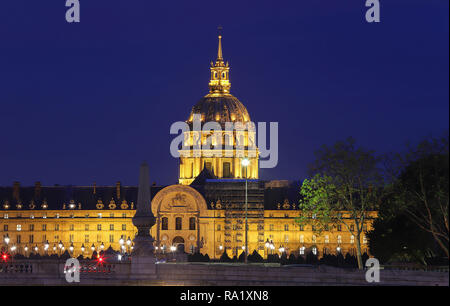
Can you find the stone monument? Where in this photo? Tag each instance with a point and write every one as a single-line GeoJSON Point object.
{"type": "Point", "coordinates": [143, 256]}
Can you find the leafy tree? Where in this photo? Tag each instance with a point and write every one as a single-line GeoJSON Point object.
{"type": "Point", "coordinates": [346, 185]}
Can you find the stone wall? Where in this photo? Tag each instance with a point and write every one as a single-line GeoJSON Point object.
{"type": "Point", "coordinates": [40, 272]}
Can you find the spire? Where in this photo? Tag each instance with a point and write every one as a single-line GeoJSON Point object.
{"type": "Point", "coordinates": [143, 200]}
{"type": "Point", "coordinates": [219, 49]}
{"type": "Point", "coordinates": [219, 83]}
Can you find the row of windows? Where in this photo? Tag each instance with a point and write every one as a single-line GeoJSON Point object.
{"type": "Point", "coordinates": [57, 216]}
{"type": "Point", "coordinates": [178, 223]}
{"type": "Point", "coordinates": [57, 227]}
{"type": "Point", "coordinates": [286, 227]}
{"type": "Point", "coordinates": [87, 239]}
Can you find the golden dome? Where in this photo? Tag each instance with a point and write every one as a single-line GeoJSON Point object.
{"type": "Point", "coordinates": [221, 109]}
{"type": "Point", "coordinates": [219, 105]}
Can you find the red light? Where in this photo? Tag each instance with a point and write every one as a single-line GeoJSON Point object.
{"type": "Point", "coordinates": [100, 260]}
{"type": "Point", "coordinates": [5, 257]}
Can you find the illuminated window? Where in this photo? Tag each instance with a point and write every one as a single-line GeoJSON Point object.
{"type": "Point", "coordinates": [226, 170]}
{"type": "Point", "coordinates": [99, 215]}
{"type": "Point", "coordinates": [313, 238]}
{"type": "Point", "coordinates": [178, 223]}
{"type": "Point", "coordinates": [19, 227]}
{"type": "Point", "coordinates": [302, 238]}
{"type": "Point", "coordinates": [352, 239]}
{"type": "Point", "coordinates": [327, 239]}
{"type": "Point", "coordinates": [31, 227]}
{"type": "Point", "coordinates": [302, 250]}
{"type": "Point", "coordinates": [314, 250]}
{"type": "Point", "coordinates": [192, 223]}
{"type": "Point", "coordinates": [339, 239]}
{"type": "Point", "coordinates": [364, 239]}
{"type": "Point", "coordinates": [5, 216]}
{"type": "Point", "coordinates": [164, 224]}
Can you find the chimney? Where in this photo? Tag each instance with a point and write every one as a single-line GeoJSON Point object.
{"type": "Point", "coordinates": [16, 191]}
{"type": "Point", "coordinates": [118, 189]}
{"type": "Point", "coordinates": [37, 190]}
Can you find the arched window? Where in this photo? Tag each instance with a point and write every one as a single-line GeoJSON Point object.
{"type": "Point", "coordinates": [226, 170]}
{"type": "Point", "coordinates": [339, 239]}
{"type": "Point", "coordinates": [164, 224]}
{"type": "Point", "coordinates": [314, 250]}
{"type": "Point", "coordinates": [192, 223]}
{"type": "Point", "coordinates": [178, 222]}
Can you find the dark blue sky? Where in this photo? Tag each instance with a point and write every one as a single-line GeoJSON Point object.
{"type": "Point", "coordinates": [88, 102]}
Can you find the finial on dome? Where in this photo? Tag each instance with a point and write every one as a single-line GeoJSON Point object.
{"type": "Point", "coordinates": [219, 51]}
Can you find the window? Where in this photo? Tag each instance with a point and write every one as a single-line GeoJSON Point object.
{"type": "Point", "coordinates": [5, 216]}
{"type": "Point", "coordinates": [208, 166]}
{"type": "Point", "coordinates": [111, 238]}
{"type": "Point", "coordinates": [286, 227]}
{"type": "Point", "coordinates": [164, 224]}
{"type": "Point", "coordinates": [286, 238]}
{"type": "Point", "coordinates": [364, 239]}
{"type": "Point", "coordinates": [86, 227]}
{"type": "Point", "coordinates": [19, 239]}
{"type": "Point", "coordinates": [327, 239]}
{"type": "Point", "coordinates": [111, 215]}
{"type": "Point", "coordinates": [57, 216]}
{"type": "Point", "coordinates": [352, 239]}
{"type": "Point", "coordinates": [99, 215]}
{"type": "Point", "coordinates": [31, 227]}
{"type": "Point", "coordinates": [71, 238]}
{"type": "Point", "coordinates": [5, 227]}
{"type": "Point", "coordinates": [302, 239]}
{"type": "Point", "coordinates": [313, 238]}
{"type": "Point", "coordinates": [302, 228]}
{"type": "Point", "coordinates": [192, 223]}
{"type": "Point", "coordinates": [44, 227]}
{"type": "Point", "coordinates": [56, 227]}
{"type": "Point", "coordinates": [111, 227]}
{"type": "Point", "coordinates": [302, 250]}
{"type": "Point", "coordinates": [339, 239]}
{"type": "Point", "coordinates": [271, 227]}
{"type": "Point", "coordinates": [86, 238]}
{"type": "Point", "coordinates": [339, 228]}
{"type": "Point", "coordinates": [99, 238]}
{"type": "Point", "coordinates": [124, 215]}
{"type": "Point", "coordinates": [124, 227]}
{"type": "Point", "coordinates": [226, 170]}
{"type": "Point", "coordinates": [19, 227]}
{"type": "Point", "coordinates": [44, 238]}
{"type": "Point", "coordinates": [178, 223]}
{"type": "Point", "coordinates": [99, 227]}
{"type": "Point", "coordinates": [71, 227]}
{"type": "Point", "coordinates": [314, 250]}
{"type": "Point", "coordinates": [218, 227]}
{"type": "Point", "coordinates": [31, 238]}
{"type": "Point", "coordinates": [352, 227]}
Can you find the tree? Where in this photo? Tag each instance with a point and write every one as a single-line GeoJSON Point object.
{"type": "Point", "coordinates": [346, 185]}
{"type": "Point", "coordinates": [420, 188]}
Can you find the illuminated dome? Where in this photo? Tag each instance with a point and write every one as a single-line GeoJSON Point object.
{"type": "Point", "coordinates": [225, 108]}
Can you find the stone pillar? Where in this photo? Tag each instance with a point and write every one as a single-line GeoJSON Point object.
{"type": "Point", "coordinates": [143, 257]}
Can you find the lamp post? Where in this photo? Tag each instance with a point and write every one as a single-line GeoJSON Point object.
{"type": "Point", "coordinates": [173, 248]}
{"type": "Point", "coordinates": [83, 248]}
{"type": "Point", "coordinates": [92, 248]}
{"type": "Point", "coordinates": [128, 244]}
{"type": "Point", "coordinates": [60, 246]}
{"type": "Point", "coordinates": [71, 248]}
{"type": "Point", "coordinates": [245, 163]}
{"type": "Point", "coordinates": [26, 250]}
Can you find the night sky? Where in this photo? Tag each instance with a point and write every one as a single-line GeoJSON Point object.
{"type": "Point", "coordinates": [88, 102]}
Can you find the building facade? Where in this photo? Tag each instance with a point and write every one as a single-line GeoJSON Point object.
{"type": "Point", "coordinates": [205, 212]}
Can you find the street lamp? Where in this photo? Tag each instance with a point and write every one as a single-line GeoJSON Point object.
{"type": "Point", "coordinates": [46, 247]}
{"type": "Point", "coordinates": [71, 248]}
{"type": "Point", "coordinates": [26, 250]}
{"type": "Point", "coordinates": [92, 248]}
{"type": "Point", "coordinates": [54, 248]}
{"type": "Point", "coordinates": [121, 240]}
{"type": "Point", "coordinates": [281, 249]}
{"type": "Point", "coordinates": [7, 241]}
{"type": "Point", "coordinates": [245, 162]}
{"type": "Point", "coordinates": [36, 249]}
{"type": "Point", "coordinates": [102, 246]}
{"type": "Point", "coordinates": [173, 248]}
{"type": "Point", "coordinates": [82, 249]}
